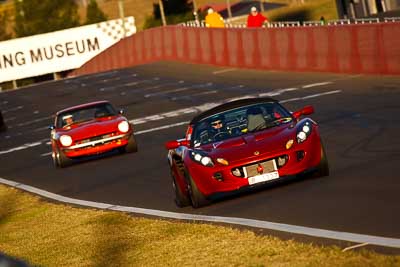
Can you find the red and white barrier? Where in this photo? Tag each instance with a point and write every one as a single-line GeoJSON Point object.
{"type": "Point", "coordinates": [356, 48]}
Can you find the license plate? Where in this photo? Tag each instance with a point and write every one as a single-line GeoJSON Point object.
{"type": "Point", "coordinates": [263, 178]}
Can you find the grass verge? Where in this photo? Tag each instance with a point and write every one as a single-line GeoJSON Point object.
{"type": "Point", "coordinates": [47, 234]}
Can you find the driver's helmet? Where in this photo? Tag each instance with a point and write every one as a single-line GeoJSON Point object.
{"type": "Point", "coordinates": [68, 119]}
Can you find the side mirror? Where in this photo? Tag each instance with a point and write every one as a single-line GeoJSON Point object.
{"type": "Point", "coordinates": [307, 110]}
{"type": "Point", "coordinates": [121, 111]}
{"type": "Point", "coordinates": [175, 144]}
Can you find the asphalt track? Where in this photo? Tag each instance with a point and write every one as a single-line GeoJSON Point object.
{"type": "Point", "coordinates": [358, 116]}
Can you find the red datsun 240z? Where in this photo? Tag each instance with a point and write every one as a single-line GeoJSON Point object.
{"type": "Point", "coordinates": [89, 129]}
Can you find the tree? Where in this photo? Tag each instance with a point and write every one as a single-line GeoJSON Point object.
{"type": "Point", "coordinates": [176, 11]}
{"type": "Point", "coordinates": [172, 7]}
{"type": "Point", "coordinates": [41, 16]}
{"type": "Point", "coordinates": [94, 14]}
{"type": "Point", "coordinates": [3, 27]}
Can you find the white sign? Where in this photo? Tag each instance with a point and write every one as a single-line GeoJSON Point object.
{"type": "Point", "coordinates": [61, 50]}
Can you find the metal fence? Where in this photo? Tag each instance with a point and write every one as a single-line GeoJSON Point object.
{"type": "Point", "coordinates": [280, 24]}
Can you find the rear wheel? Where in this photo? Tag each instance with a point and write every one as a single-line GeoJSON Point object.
{"type": "Point", "coordinates": [131, 147]}
{"type": "Point", "coordinates": [323, 167]}
{"type": "Point", "coordinates": [197, 198]}
{"type": "Point", "coordinates": [181, 200]}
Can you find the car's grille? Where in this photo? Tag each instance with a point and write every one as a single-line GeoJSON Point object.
{"type": "Point", "coordinates": [95, 138]}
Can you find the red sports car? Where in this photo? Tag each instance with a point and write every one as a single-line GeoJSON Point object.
{"type": "Point", "coordinates": [88, 129]}
{"type": "Point", "coordinates": [241, 145]}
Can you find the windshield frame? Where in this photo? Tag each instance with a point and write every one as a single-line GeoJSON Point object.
{"type": "Point", "coordinates": [59, 123]}
{"type": "Point", "coordinates": [195, 136]}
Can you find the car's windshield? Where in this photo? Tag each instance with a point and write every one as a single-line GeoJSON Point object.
{"type": "Point", "coordinates": [84, 114]}
{"type": "Point", "coordinates": [239, 121]}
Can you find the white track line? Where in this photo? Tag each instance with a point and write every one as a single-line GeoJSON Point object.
{"type": "Point", "coordinates": [162, 127]}
{"type": "Point", "coordinates": [315, 85]}
{"type": "Point", "coordinates": [33, 121]}
{"type": "Point", "coordinates": [138, 132]}
{"type": "Point", "coordinates": [12, 109]}
{"type": "Point", "coordinates": [310, 96]}
{"type": "Point", "coordinates": [176, 113]}
{"type": "Point", "coordinates": [194, 110]}
{"type": "Point", "coordinates": [169, 91]}
{"type": "Point", "coordinates": [23, 147]}
{"type": "Point", "coordinates": [223, 71]}
{"type": "Point", "coordinates": [278, 92]}
{"type": "Point", "coordinates": [194, 95]}
{"type": "Point", "coordinates": [10, 119]}
{"type": "Point", "coordinates": [295, 229]}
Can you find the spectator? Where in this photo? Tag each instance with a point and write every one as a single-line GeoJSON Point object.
{"type": "Point", "coordinates": [323, 21]}
{"type": "Point", "coordinates": [255, 19]}
{"type": "Point", "coordinates": [214, 20]}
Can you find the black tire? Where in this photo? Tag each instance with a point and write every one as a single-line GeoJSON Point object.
{"type": "Point", "coordinates": [55, 158]}
{"type": "Point", "coordinates": [181, 200]}
{"type": "Point", "coordinates": [323, 167]}
{"type": "Point", "coordinates": [131, 147]}
{"type": "Point", "coordinates": [3, 126]}
{"type": "Point", "coordinates": [60, 160]}
{"type": "Point", "coordinates": [196, 197]}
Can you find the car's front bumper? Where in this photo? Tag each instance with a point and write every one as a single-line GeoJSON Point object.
{"type": "Point", "coordinates": [97, 147]}
{"type": "Point", "coordinates": [205, 177]}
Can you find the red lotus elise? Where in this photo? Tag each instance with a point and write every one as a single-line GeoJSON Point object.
{"type": "Point", "coordinates": [89, 129]}
{"type": "Point", "coordinates": [241, 145]}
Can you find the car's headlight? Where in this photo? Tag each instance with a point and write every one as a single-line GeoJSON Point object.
{"type": "Point", "coordinates": [123, 126]}
{"type": "Point", "coordinates": [65, 140]}
{"type": "Point", "coordinates": [303, 132]}
{"type": "Point", "coordinates": [202, 158]}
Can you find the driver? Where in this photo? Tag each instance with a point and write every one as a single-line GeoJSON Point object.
{"type": "Point", "coordinates": [68, 120]}
{"type": "Point", "coordinates": [218, 130]}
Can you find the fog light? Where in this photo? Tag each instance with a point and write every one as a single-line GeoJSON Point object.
{"type": "Point", "coordinates": [236, 172]}
{"type": "Point", "coordinates": [300, 155]}
{"type": "Point", "coordinates": [218, 176]}
{"type": "Point", "coordinates": [282, 161]}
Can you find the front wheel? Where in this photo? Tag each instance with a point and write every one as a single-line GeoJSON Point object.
{"type": "Point", "coordinates": [181, 200]}
{"type": "Point", "coordinates": [197, 198]}
{"type": "Point", "coordinates": [56, 161]}
{"type": "Point", "coordinates": [60, 160]}
{"type": "Point", "coordinates": [131, 147]}
{"type": "Point", "coordinates": [323, 167]}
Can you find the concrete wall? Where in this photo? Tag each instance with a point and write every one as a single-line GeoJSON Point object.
{"type": "Point", "coordinates": [369, 48]}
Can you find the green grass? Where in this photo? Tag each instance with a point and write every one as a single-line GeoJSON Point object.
{"type": "Point", "coordinates": [47, 234]}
